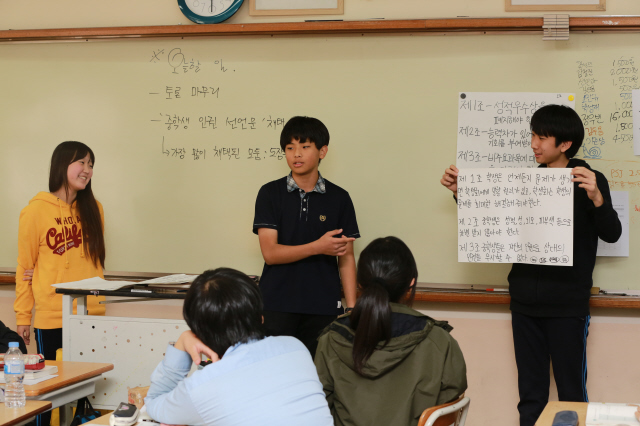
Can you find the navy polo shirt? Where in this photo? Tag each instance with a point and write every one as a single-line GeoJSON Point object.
{"type": "Point", "coordinates": [311, 285]}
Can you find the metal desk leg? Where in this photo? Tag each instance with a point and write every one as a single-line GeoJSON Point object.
{"type": "Point", "coordinates": [65, 415]}
{"type": "Point", "coordinates": [67, 312]}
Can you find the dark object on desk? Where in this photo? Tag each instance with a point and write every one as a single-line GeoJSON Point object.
{"type": "Point", "coordinates": [121, 293]}
{"type": "Point", "coordinates": [565, 418]}
{"type": "Point", "coordinates": [144, 289]}
{"type": "Point", "coordinates": [125, 414]}
{"type": "Point", "coordinates": [608, 293]}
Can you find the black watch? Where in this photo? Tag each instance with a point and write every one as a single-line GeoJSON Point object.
{"type": "Point", "coordinates": [347, 310]}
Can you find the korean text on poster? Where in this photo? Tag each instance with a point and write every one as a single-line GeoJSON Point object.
{"type": "Point", "coordinates": [515, 215]}
{"type": "Point", "coordinates": [493, 127]}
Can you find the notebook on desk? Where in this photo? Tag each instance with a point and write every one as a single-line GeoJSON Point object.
{"type": "Point", "coordinates": [48, 370]}
{"type": "Point", "coordinates": [97, 283]}
{"type": "Point", "coordinates": [610, 414]}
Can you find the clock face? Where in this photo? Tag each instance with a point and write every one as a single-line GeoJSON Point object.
{"type": "Point", "coordinates": [208, 7]}
{"type": "Point", "coordinates": [209, 11]}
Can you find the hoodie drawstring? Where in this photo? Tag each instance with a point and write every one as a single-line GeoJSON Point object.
{"type": "Point", "coordinates": [66, 255]}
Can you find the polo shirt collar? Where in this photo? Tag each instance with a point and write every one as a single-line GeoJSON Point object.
{"type": "Point", "coordinates": [320, 187]}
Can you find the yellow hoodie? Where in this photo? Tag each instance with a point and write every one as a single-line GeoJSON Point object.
{"type": "Point", "coordinates": [50, 243]}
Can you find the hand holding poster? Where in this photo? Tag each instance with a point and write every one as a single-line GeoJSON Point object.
{"type": "Point", "coordinates": [515, 215]}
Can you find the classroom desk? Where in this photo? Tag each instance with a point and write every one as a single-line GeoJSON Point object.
{"type": "Point", "coordinates": [102, 420]}
{"type": "Point", "coordinates": [136, 345]}
{"type": "Point", "coordinates": [19, 416]}
{"type": "Point", "coordinates": [546, 418]}
{"type": "Point", "coordinates": [75, 380]}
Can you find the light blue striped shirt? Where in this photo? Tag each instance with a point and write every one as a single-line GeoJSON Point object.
{"type": "Point", "coordinates": [272, 381]}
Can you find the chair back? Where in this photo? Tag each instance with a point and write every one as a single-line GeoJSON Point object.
{"type": "Point", "coordinates": [453, 413]}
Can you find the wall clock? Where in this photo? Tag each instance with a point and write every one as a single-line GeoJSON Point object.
{"type": "Point", "coordinates": [209, 11]}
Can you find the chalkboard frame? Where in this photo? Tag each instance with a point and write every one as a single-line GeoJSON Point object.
{"type": "Point", "coordinates": [457, 25]}
{"type": "Point", "coordinates": [558, 5]}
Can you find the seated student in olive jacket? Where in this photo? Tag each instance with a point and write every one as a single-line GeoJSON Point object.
{"type": "Point", "coordinates": [385, 363]}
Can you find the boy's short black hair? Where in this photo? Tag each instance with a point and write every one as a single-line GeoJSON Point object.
{"type": "Point", "coordinates": [223, 307]}
{"type": "Point", "coordinates": [560, 122]}
{"type": "Point", "coordinates": [303, 129]}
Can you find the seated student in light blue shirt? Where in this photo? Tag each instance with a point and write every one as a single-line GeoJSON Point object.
{"type": "Point", "coordinates": [255, 381]}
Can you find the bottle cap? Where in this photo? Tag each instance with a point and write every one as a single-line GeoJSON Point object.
{"type": "Point", "coordinates": [14, 345]}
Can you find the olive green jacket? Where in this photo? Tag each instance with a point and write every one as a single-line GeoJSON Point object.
{"type": "Point", "coordinates": [422, 366]}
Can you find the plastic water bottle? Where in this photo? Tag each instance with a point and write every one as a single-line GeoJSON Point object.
{"type": "Point", "coordinates": [13, 377]}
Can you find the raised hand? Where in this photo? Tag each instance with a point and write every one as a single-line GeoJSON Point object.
{"type": "Point", "coordinates": [189, 343]}
{"type": "Point", "coordinates": [450, 179]}
{"type": "Point", "coordinates": [587, 179]}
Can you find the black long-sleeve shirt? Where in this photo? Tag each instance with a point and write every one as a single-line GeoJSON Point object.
{"type": "Point", "coordinates": [564, 291]}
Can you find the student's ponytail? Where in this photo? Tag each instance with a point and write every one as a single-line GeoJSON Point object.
{"type": "Point", "coordinates": [386, 271]}
{"type": "Point", "coordinates": [371, 319]}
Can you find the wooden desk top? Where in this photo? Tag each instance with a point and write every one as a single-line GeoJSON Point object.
{"type": "Point", "coordinates": [12, 416]}
{"type": "Point", "coordinates": [546, 418]}
{"type": "Point", "coordinates": [103, 420]}
{"type": "Point", "coordinates": [68, 373]}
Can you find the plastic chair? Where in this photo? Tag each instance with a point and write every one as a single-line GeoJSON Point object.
{"type": "Point", "coordinates": [452, 413]}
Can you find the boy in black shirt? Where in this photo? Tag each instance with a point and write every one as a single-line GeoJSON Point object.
{"type": "Point", "coordinates": [550, 304]}
{"type": "Point", "coordinates": [306, 226]}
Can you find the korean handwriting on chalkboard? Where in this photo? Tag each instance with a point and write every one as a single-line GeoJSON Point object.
{"type": "Point", "coordinates": [178, 151]}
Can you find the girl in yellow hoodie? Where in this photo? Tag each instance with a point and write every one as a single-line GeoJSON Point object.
{"type": "Point", "coordinates": [60, 239]}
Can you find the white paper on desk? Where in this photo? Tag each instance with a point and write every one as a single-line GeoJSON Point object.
{"type": "Point", "coordinates": [34, 381]}
{"type": "Point", "coordinates": [144, 418]}
{"type": "Point", "coordinates": [170, 279]}
{"type": "Point", "coordinates": [515, 215]}
{"type": "Point", "coordinates": [95, 283]}
{"type": "Point", "coordinates": [493, 127]}
{"type": "Point", "coordinates": [599, 414]}
{"type": "Point", "coordinates": [39, 379]}
{"type": "Point", "coordinates": [620, 201]}
{"type": "Point", "coordinates": [635, 102]}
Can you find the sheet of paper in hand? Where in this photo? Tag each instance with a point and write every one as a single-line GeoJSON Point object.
{"type": "Point", "coordinates": [493, 127]}
{"type": "Point", "coordinates": [515, 215]}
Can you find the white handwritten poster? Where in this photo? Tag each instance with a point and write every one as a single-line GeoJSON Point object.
{"type": "Point", "coordinates": [493, 127]}
{"type": "Point", "coordinates": [515, 215]}
{"type": "Point", "coordinates": [620, 201]}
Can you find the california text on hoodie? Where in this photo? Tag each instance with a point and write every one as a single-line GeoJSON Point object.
{"type": "Point", "coordinates": [421, 366]}
{"type": "Point", "coordinates": [564, 291]}
{"type": "Point", "coordinates": [50, 243]}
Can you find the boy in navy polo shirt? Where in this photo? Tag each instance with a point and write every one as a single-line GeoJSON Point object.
{"type": "Point", "coordinates": [306, 226]}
